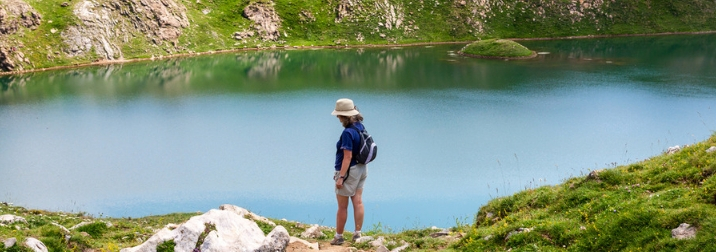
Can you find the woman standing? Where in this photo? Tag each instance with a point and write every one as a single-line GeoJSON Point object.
{"type": "Point", "coordinates": [349, 174]}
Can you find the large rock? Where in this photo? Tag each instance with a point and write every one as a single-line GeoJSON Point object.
{"type": "Point", "coordinates": [35, 244]}
{"type": "Point", "coordinates": [15, 14]}
{"type": "Point", "coordinates": [266, 20]}
{"type": "Point", "coordinates": [10, 219]}
{"type": "Point", "coordinates": [105, 27]}
{"type": "Point", "coordinates": [224, 230]}
{"type": "Point", "coordinates": [246, 214]}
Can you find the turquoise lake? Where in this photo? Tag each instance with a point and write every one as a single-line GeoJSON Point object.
{"type": "Point", "coordinates": [254, 128]}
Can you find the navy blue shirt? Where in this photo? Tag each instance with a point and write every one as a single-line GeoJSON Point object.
{"type": "Point", "coordinates": [349, 138]}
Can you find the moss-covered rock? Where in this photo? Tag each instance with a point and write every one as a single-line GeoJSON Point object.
{"type": "Point", "coordinates": [497, 48]}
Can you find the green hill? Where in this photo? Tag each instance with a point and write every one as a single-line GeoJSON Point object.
{"type": "Point", "coordinates": [40, 33]}
{"type": "Point", "coordinates": [626, 208]}
{"type": "Point", "coordinates": [497, 48]}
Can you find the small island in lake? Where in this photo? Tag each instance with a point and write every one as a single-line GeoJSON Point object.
{"type": "Point", "coordinates": [497, 49]}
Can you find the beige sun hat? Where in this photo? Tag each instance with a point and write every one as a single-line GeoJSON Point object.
{"type": "Point", "coordinates": [345, 107]}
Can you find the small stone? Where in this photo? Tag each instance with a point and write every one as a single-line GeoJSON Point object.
{"type": "Point", "coordinates": [363, 239]}
{"type": "Point", "coordinates": [673, 149]}
{"type": "Point", "coordinates": [65, 4]}
{"type": "Point", "coordinates": [313, 232]}
{"type": "Point", "coordinates": [10, 242]}
{"type": "Point", "coordinates": [684, 231]}
{"type": "Point", "coordinates": [443, 232]}
{"type": "Point", "coordinates": [53, 30]}
{"type": "Point", "coordinates": [712, 149]}
{"type": "Point", "coordinates": [10, 219]}
{"type": "Point", "coordinates": [378, 242]}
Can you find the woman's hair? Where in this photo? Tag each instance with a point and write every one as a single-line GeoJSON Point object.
{"type": "Point", "coordinates": [348, 120]}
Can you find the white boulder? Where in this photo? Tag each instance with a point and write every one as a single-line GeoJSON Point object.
{"type": "Point", "coordinates": [35, 244]}
{"type": "Point", "coordinates": [10, 219]}
{"type": "Point", "coordinates": [224, 230]}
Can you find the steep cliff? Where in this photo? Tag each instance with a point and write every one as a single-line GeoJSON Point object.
{"type": "Point", "coordinates": [39, 34]}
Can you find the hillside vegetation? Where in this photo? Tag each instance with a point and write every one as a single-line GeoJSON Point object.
{"type": "Point", "coordinates": [46, 33]}
{"type": "Point", "coordinates": [497, 48]}
{"type": "Point", "coordinates": [626, 208]}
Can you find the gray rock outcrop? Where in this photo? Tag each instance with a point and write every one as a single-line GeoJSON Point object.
{"type": "Point", "coordinates": [265, 18]}
{"type": "Point", "coordinates": [105, 27]}
{"type": "Point", "coordinates": [15, 15]}
{"type": "Point", "coordinates": [10, 219]}
{"type": "Point", "coordinates": [224, 230]}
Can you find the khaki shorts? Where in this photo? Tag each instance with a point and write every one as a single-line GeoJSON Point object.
{"type": "Point", "coordinates": [355, 180]}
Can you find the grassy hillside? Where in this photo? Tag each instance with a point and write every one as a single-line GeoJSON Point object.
{"type": "Point", "coordinates": [627, 208]}
{"type": "Point", "coordinates": [361, 22]}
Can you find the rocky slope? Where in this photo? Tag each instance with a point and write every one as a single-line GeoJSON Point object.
{"type": "Point", "coordinates": [40, 34]}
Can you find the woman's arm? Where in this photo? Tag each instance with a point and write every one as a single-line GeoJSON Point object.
{"type": "Point", "coordinates": [347, 156]}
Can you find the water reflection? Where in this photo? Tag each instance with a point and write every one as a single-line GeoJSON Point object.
{"type": "Point", "coordinates": [262, 65]}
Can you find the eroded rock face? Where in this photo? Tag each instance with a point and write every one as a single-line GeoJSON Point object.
{"type": "Point", "coordinates": [108, 25]}
{"type": "Point", "coordinates": [266, 20]}
{"type": "Point", "coordinates": [17, 13]}
{"type": "Point", "coordinates": [14, 15]}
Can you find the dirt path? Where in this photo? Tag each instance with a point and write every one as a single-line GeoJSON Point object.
{"type": "Point", "coordinates": [324, 246]}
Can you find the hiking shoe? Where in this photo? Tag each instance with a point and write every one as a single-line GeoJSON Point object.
{"type": "Point", "coordinates": [337, 241]}
{"type": "Point", "coordinates": [356, 237]}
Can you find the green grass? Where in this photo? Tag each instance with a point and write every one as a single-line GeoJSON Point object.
{"type": "Point", "coordinates": [631, 207]}
{"type": "Point", "coordinates": [499, 48]}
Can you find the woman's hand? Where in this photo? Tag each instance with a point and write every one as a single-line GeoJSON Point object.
{"type": "Point", "coordinates": [339, 183]}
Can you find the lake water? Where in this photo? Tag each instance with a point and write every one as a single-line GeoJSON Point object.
{"type": "Point", "coordinates": [254, 129]}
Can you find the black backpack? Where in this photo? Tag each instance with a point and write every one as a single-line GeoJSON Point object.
{"type": "Point", "coordinates": [367, 150]}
